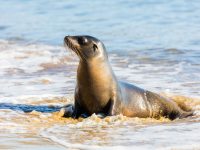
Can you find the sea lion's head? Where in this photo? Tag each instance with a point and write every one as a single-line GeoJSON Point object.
{"type": "Point", "coordinates": [86, 47]}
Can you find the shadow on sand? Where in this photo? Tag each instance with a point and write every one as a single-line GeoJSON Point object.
{"type": "Point", "coordinates": [29, 108]}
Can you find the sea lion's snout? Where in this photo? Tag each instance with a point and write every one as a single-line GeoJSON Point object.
{"type": "Point", "coordinates": [68, 40]}
{"type": "Point", "coordinates": [65, 39]}
{"type": "Point", "coordinates": [71, 43]}
{"type": "Point", "coordinates": [79, 40]}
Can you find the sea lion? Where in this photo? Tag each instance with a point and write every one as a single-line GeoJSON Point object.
{"type": "Point", "coordinates": [98, 90]}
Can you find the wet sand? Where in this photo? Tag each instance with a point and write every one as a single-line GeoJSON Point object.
{"type": "Point", "coordinates": [39, 130]}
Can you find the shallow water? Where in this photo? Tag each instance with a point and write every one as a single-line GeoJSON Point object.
{"type": "Point", "coordinates": [153, 44]}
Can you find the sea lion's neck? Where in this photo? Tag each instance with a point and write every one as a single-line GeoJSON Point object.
{"type": "Point", "coordinates": [94, 71]}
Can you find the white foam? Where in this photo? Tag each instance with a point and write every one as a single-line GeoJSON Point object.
{"type": "Point", "coordinates": [22, 70]}
{"type": "Point", "coordinates": [181, 135]}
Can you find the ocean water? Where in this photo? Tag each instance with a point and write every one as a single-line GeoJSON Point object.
{"type": "Point", "coordinates": [153, 44]}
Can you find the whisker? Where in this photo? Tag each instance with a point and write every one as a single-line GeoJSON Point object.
{"type": "Point", "coordinates": [71, 47]}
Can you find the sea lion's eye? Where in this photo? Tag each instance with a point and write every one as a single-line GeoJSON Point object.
{"type": "Point", "coordinates": [95, 47]}
{"type": "Point", "coordinates": [82, 40]}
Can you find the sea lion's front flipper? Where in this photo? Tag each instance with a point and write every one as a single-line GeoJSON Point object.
{"type": "Point", "coordinates": [67, 111]}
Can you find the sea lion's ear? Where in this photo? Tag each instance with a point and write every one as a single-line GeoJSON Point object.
{"type": "Point", "coordinates": [95, 47]}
